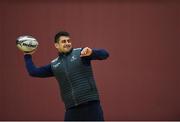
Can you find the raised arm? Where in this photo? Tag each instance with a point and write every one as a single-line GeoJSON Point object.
{"type": "Point", "coordinates": [94, 54]}
{"type": "Point", "coordinates": [88, 54]}
{"type": "Point", "coordinates": [99, 54]}
{"type": "Point", "coordinates": [44, 71]}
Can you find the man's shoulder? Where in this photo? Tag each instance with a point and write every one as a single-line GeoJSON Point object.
{"type": "Point", "coordinates": [75, 49]}
{"type": "Point", "coordinates": [54, 60]}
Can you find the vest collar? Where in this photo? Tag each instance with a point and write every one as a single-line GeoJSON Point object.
{"type": "Point", "coordinates": [65, 54]}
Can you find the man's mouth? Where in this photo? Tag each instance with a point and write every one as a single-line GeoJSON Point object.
{"type": "Point", "coordinates": [67, 46]}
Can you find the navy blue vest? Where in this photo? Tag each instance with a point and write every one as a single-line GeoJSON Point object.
{"type": "Point", "coordinates": [75, 79]}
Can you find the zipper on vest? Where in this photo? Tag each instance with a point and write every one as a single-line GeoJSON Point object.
{"type": "Point", "coordinates": [67, 76]}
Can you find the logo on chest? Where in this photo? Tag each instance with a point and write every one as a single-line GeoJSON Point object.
{"type": "Point", "coordinates": [73, 58]}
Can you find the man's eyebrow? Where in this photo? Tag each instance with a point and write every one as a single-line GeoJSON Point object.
{"type": "Point", "coordinates": [65, 40]}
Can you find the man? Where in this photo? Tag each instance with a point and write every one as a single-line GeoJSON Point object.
{"type": "Point", "coordinates": [73, 71]}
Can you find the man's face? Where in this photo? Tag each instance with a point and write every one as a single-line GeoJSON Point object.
{"type": "Point", "coordinates": [64, 44]}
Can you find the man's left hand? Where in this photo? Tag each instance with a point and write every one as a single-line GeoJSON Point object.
{"type": "Point", "coordinates": [86, 52]}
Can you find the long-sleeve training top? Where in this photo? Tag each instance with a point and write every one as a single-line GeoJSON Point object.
{"type": "Point", "coordinates": [46, 71]}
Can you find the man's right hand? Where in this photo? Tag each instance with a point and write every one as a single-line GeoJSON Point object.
{"type": "Point", "coordinates": [30, 53]}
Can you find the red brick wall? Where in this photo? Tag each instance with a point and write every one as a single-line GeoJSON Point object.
{"type": "Point", "coordinates": [139, 81]}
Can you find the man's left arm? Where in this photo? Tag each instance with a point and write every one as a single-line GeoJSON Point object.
{"type": "Point", "coordinates": [94, 54]}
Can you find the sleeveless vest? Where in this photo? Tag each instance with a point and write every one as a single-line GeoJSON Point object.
{"type": "Point", "coordinates": [76, 81]}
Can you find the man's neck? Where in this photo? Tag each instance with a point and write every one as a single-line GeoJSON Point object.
{"type": "Point", "coordinates": [67, 53]}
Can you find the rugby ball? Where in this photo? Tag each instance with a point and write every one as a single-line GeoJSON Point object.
{"type": "Point", "coordinates": [26, 43]}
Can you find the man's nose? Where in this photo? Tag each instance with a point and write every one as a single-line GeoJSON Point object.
{"type": "Point", "coordinates": [67, 42]}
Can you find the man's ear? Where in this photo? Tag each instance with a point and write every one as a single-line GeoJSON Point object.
{"type": "Point", "coordinates": [56, 45]}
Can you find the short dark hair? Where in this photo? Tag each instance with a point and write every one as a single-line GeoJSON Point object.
{"type": "Point", "coordinates": [59, 34]}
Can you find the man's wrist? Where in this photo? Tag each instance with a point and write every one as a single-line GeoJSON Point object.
{"type": "Point", "coordinates": [27, 55]}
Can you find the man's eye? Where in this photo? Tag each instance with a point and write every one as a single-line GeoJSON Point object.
{"type": "Point", "coordinates": [68, 41]}
{"type": "Point", "coordinates": [63, 41]}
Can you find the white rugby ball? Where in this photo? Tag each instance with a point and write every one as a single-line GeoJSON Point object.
{"type": "Point", "coordinates": [26, 43]}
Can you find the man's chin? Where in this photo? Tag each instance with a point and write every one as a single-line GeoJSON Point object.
{"type": "Point", "coordinates": [67, 50]}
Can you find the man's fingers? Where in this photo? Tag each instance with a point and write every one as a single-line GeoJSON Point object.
{"type": "Point", "coordinates": [83, 54]}
{"type": "Point", "coordinates": [32, 52]}
{"type": "Point", "coordinates": [86, 52]}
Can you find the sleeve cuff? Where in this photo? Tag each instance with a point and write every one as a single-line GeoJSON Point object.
{"type": "Point", "coordinates": [27, 56]}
